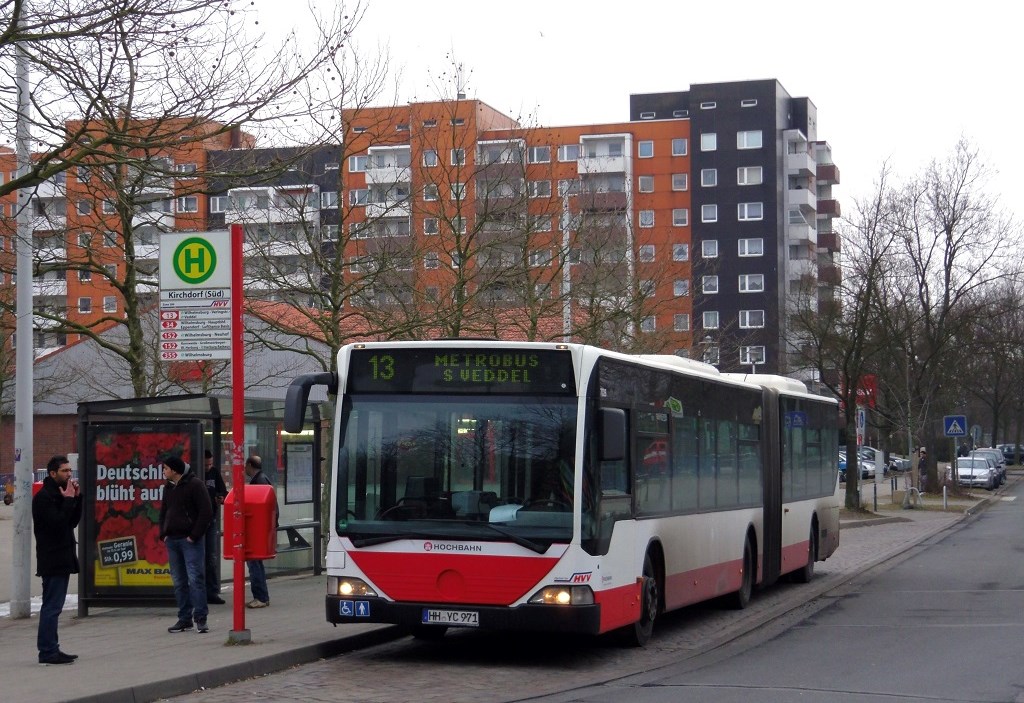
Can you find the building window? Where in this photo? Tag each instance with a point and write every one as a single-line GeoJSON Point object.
{"type": "Point", "coordinates": [85, 305]}
{"type": "Point", "coordinates": [646, 253]}
{"type": "Point", "coordinates": [751, 355]}
{"type": "Point", "coordinates": [647, 324]}
{"type": "Point", "coordinates": [709, 141]}
{"type": "Point", "coordinates": [110, 239]}
{"type": "Point", "coordinates": [538, 155]}
{"type": "Point", "coordinates": [430, 225]}
{"type": "Point", "coordinates": [540, 258]}
{"type": "Point", "coordinates": [458, 157]}
{"type": "Point", "coordinates": [456, 259]}
{"type": "Point", "coordinates": [84, 207]}
{"type": "Point", "coordinates": [85, 275]}
{"type": "Point", "coordinates": [330, 166]}
{"type": "Point", "coordinates": [430, 158]}
{"type": "Point", "coordinates": [429, 123]}
{"type": "Point", "coordinates": [645, 149]}
{"type": "Point", "coordinates": [681, 322]}
{"type": "Point", "coordinates": [188, 203]}
{"type": "Point", "coordinates": [708, 105]}
{"type": "Point", "coordinates": [711, 355]}
{"type": "Point", "coordinates": [459, 225]}
{"type": "Point", "coordinates": [749, 211]}
{"type": "Point", "coordinates": [431, 261]}
{"type": "Point", "coordinates": [709, 249]}
{"type": "Point", "coordinates": [647, 218]}
{"type": "Point", "coordinates": [680, 113]}
{"type": "Point", "coordinates": [568, 187]}
{"type": "Point", "coordinates": [709, 285]}
{"type": "Point", "coordinates": [358, 196]}
{"type": "Point", "coordinates": [709, 320]}
{"type": "Point", "coordinates": [680, 217]}
{"type": "Point", "coordinates": [111, 271]}
{"type": "Point", "coordinates": [85, 239]}
{"type": "Point", "coordinates": [752, 283]}
{"type": "Point", "coordinates": [680, 146]}
{"type": "Point", "coordinates": [329, 232]}
{"type": "Point", "coordinates": [430, 192]}
{"type": "Point", "coordinates": [645, 184]}
{"type": "Point", "coordinates": [751, 247]}
{"type": "Point", "coordinates": [749, 175]}
{"type": "Point", "coordinates": [569, 152]}
{"type": "Point", "coordinates": [709, 213]}
{"type": "Point", "coordinates": [458, 191]}
{"type": "Point", "coordinates": [680, 252]}
{"type": "Point", "coordinates": [185, 170]}
{"type": "Point", "coordinates": [329, 199]}
{"type": "Point", "coordinates": [539, 189]}
{"type": "Point", "coordinates": [108, 207]}
{"type": "Point", "coordinates": [457, 121]}
{"type": "Point", "coordinates": [110, 303]}
{"type": "Point", "coordinates": [681, 287]}
{"type": "Point", "coordinates": [680, 181]}
{"type": "Point", "coordinates": [709, 177]}
{"type": "Point", "coordinates": [82, 172]}
{"type": "Point", "coordinates": [219, 203]}
{"type": "Point", "coordinates": [751, 319]}
{"type": "Point", "coordinates": [748, 140]}
{"type": "Point", "coordinates": [402, 127]}
{"type": "Point", "coordinates": [647, 115]}
{"type": "Point", "coordinates": [357, 164]}
{"type": "Point", "coordinates": [749, 102]}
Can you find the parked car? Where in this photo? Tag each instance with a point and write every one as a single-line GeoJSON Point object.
{"type": "Point", "coordinates": [1011, 452]}
{"type": "Point", "coordinates": [975, 471]}
{"type": "Point", "coordinates": [842, 467]}
{"type": "Point", "coordinates": [899, 464]}
{"type": "Point", "coordinates": [866, 458]}
{"type": "Point", "coordinates": [997, 460]}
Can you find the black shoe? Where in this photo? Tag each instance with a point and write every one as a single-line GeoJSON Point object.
{"type": "Point", "coordinates": [180, 626]}
{"type": "Point", "coordinates": [65, 654]}
{"type": "Point", "coordinates": [201, 625]}
{"type": "Point", "coordinates": [215, 600]}
{"type": "Point", "coordinates": [58, 658]}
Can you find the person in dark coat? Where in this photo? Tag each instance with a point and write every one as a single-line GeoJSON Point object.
{"type": "Point", "coordinates": [218, 491]}
{"type": "Point", "coordinates": [257, 572]}
{"type": "Point", "coordinates": [185, 513]}
{"type": "Point", "coordinates": [56, 510]}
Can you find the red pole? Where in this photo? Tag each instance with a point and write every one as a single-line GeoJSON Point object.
{"type": "Point", "coordinates": [239, 633]}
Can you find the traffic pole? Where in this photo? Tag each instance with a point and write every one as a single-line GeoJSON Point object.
{"type": "Point", "coordinates": [238, 634]}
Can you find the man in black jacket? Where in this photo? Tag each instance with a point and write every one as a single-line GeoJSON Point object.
{"type": "Point", "coordinates": [218, 491]}
{"type": "Point", "coordinates": [185, 513]}
{"type": "Point", "coordinates": [56, 510]}
{"type": "Point", "coordinates": [257, 572]}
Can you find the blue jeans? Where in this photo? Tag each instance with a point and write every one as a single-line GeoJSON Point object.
{"type": "Point", "coordinates": [187, 563]}
{"type": "Point", "coordinates": [258, 580]}
{"type": "Point", "coordinates": [55, 590]}
{"type": "Point", "coordinates": [212, 560]}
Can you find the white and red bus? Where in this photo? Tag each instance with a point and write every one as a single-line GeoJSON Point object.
{"type": "Point", "coordinates": [562, 487]}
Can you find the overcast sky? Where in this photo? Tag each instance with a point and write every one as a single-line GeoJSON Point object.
{"type": "Point", "coordinates": [895, 80]}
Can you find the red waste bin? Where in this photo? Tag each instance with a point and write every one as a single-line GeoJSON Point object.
{"type": "Point", "coordinates": [36, 487]}
{"type": "Point", "coordinates": [260, 535]}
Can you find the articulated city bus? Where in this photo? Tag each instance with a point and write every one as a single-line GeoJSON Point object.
{"type": "Point", "coordinates": [562, 487]}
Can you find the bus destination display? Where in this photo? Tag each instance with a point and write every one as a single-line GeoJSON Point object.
{"type": "Point", "coordinates": [453, 370]}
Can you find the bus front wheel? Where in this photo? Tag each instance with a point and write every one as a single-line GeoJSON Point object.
{"type": "Point", "coordinates": [639, 633]}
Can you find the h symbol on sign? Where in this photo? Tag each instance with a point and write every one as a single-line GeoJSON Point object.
{"type": "Point", "coordinates": [194, 258]}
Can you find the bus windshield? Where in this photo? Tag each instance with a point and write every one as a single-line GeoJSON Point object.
{"type": "Point", "coordinates": [477, 467]}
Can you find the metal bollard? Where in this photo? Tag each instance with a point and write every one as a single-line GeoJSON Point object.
{"type": "Point", "coordinates": [874, 488]}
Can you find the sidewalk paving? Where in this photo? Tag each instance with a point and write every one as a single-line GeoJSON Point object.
{"type": "Point", "coordinates": [128, 655]}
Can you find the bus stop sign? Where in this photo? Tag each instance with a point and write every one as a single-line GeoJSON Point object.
{"type": "Point", "coordinates": [955, 425]}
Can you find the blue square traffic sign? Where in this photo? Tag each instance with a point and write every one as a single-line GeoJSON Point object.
{"type": "Point", "coordinates": [955, 425]}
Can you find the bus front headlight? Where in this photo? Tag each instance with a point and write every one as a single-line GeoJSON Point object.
{"type": "Point", "coordinates": [346, 587]}
{"type": "Point", "coordinates": [563, 595]}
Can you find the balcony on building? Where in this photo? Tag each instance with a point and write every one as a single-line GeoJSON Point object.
{"type": "Point", "coordinates": [156, 214]}
{"type": "Point", "coordinates": [799, 231]}
{"type": "Point", "coordinates": [48, 213]}
{"type": "Point", "coordinates": [496, 196]}
{"type": "Point", "coordinates": [50, 248]}
{"type": "Point", "coordinates": [829, 274]}
{"type": "Point", "coordinates": [273, 205]}
{"type": "Point", "coordinates": [393, 227]}
{"type": "Point", "coordinates": [602, 193]}
{"type": "Point", "coordinates": [49, 285]}
{"type": "Point", "coordinates": [829, 208]}
{"type": "Point", "coordinates": [799, 163]}
{"type": "Point", "coordinates": [391, 200]}
{"type": "Point", "coordinates": [500, 159]}
{"type": "Point", "coordinates": [829, 241]}
{"type": "Point", "coordinates": [53, 187]}
{"type": "Point", "coordinates": [800, 196]}
{"type": "Point", "coordinates": [388, 164]}
{"type": "Point", "coordinates": [604, 153]}
{"type": "Point", "coordinates": [828, 173]}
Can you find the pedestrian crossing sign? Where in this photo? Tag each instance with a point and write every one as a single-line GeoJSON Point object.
{"type": "Point", "coordinates": [955, 425]}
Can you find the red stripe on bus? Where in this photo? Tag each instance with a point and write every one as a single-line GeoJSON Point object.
{"type": "Point", "coordinates": [795, 556]}
{"type": "Point", "coordinates": [702, 584]}
{"type": "Point", "coordinates": [619, 606]}
{"type": "Point", "coordinates": [453, 578]}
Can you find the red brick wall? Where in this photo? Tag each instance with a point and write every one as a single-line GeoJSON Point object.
{"type": "Point", "coordinates": [53, 434]}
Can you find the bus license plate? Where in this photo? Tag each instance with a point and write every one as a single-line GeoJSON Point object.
{"type": "Point", "coordinates": [451, 618]}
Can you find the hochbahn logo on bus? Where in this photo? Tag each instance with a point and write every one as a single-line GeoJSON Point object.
{"type": "Point", "coordinates": [451, 547]}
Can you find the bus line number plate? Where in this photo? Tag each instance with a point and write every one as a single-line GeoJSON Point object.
{"type": "Point", "coordinates": [451, 618]}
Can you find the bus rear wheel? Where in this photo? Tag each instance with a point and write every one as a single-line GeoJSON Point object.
{"type": "Point", "coordinates": [806, 573]}
{"type": "Point", "coordinates": [741, 598]}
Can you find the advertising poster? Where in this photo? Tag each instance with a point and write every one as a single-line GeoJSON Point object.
{"type": "Point", "coordinates": [124, 467]}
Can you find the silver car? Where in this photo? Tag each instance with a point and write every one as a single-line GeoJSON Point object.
{"type": "Point", "coordinates": [998, 460]}
{"type": "Point", "coordinates": [976, 472]}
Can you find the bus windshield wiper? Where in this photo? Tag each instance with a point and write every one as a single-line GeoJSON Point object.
{"type": "Point", "coordinates": [521, 541]}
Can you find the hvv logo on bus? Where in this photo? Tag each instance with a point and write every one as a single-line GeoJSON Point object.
{"type": "Point", "coordinates": [578, 577]}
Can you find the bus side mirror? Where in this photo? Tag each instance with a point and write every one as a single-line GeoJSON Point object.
{"type": "Point", "coordinates": [298, 395]}
{"type": "Point", "coordinates": [613, 434]}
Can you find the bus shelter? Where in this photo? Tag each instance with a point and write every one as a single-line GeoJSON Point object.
{"type": "Point", "coordinates": [121, 447]}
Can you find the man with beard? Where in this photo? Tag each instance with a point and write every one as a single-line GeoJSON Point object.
{"type": "Point", "coordinates": [185, 514]}
{"type": "Point", "coordinates": [56, 510]}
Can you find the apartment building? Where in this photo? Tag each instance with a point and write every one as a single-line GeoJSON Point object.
{"type": "Point", "coordinates": [691, 228]}
{"type": "Point", "coordinates": [762, 231]}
